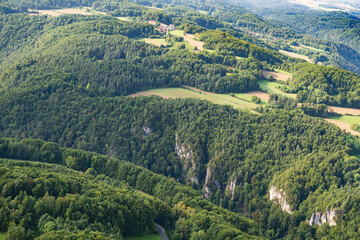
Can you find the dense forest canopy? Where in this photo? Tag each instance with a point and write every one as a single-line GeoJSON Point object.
{"type": "Point", "coordinates": [62, 202]}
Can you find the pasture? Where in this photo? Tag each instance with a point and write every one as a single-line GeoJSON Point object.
{"type": "Point", "coordinates": [148, 237]}
{"type": "Point", "coordinates": [347, 119]}
{"type": "Point", "coordinates": [223, 99]}
{"type": "Point", "coordinates": [273, 87]}
{"type": "Point", "coordinates": [123, 19]}
{"type": "Point", "coordinates": [296, 55]}
{"type": "Point", "coordinates": [2, 235]}
{"type": "Point", "coordinates": [190, 38]}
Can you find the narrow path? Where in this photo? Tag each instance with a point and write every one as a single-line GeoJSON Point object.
{"type": "Point", "coordinates": [161, 232]}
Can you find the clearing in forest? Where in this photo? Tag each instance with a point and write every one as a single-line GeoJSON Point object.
{"type": "Point", "coordinates": [273, 87]}
{"type": "Point", "coordinates": [223, 99]}
{"type": "Point", "coordinates": [155, 41]}
{"type": "Point", "coordinates": [276, 75]}
{"type": "Point", "coordinates": [190, 38]}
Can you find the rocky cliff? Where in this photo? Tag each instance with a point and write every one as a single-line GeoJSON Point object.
{"type": "Point", "coordinates": [319, 218]}
{"type": "Point", "coordinates": [279, 197]}
{"type": "Point", "coordinates": [184, 152]}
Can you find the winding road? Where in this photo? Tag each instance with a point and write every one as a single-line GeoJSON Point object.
{"type": "Point", "coordinates": [161, 232]}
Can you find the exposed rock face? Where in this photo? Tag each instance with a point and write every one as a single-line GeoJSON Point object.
{"type": "Point", "coordinates": [207, 179]}
{"type": "Point", "coordinates": [147, 130]}
{"type": "Point", "coordinates": [279, 196]}
{"type": "Point", "coordinates": [231, 186]}
{"type": "Point", "coordinates": [319, 218]}
{"type": "Point", "coordinates": [184, 151]}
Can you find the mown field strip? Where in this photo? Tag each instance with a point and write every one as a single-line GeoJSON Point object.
{"type": "Point", "coordinates": [223, 99]}
{"type": "Point", "coordinates": [296, 55]}
{"type": "Point", "coordinates": [342, 110]}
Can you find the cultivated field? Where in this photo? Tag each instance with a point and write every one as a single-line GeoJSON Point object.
{"type": "Point", "coordinates": [273, 87]}
{"type": "Point", "coordinates": [342, 110]}
{"type": "Point", "coordinates": [58, 12]}
{"type": "Point", "coordinates": [223, 99]}
{"type": "Point", "coordinates": [276, 75]}
{"type": "Point", "coordinates": [295, 55]}
{"type": "Point", "coordinates": [343, 126]}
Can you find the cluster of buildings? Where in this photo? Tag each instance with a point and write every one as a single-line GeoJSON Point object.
{"type": "Point", "coordinates": [163, 28]}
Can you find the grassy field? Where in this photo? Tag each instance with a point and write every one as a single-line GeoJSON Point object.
{"type": "Point", "coordinates": [155, 41]}
{"type": "Point", "coordinates": [188, 39]}
{"type": "Point", "coordinates": [282, 71]}
{"type": "Point", "coordinates": [248, 98]}
{"type": "Point", "coordinates": [187, 45]}
{"type": "Point", "coordinates": [2, 236]}
{"type": "Point", "coordinates": [273, 87]}
{"type": "Point", "coordinates": [148, 237]}
{"type": "Point", "coordinates": [347, 119]}
{"type": "Point", "coordinates": [204, 12]}
{"type": "Point", "coordinates": [296, 55]}
{"type": "Point", "coordinates": [223, 99]}
{"type": "Point", "coordinates": [312, 48]}
{"type": "Point", "coordinates": [123, 19]}
{"type": "Point", "coordinates": [92, 11]}
{"type": "Point", "coordinates": [179, 33]}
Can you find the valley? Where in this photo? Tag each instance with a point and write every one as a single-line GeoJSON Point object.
{"type": "Point", "coordinates": [190, 119]}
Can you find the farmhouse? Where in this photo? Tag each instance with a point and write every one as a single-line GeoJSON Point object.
{"type": "Point", "coordinates": [152, 22]}
{"type": "Point", "coordinates": [163, 28]}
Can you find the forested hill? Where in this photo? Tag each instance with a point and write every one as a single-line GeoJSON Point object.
{"type": "Point", "coordinates": [208, 169]}
{"type": "Point", "coordinates": [50, 201]}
